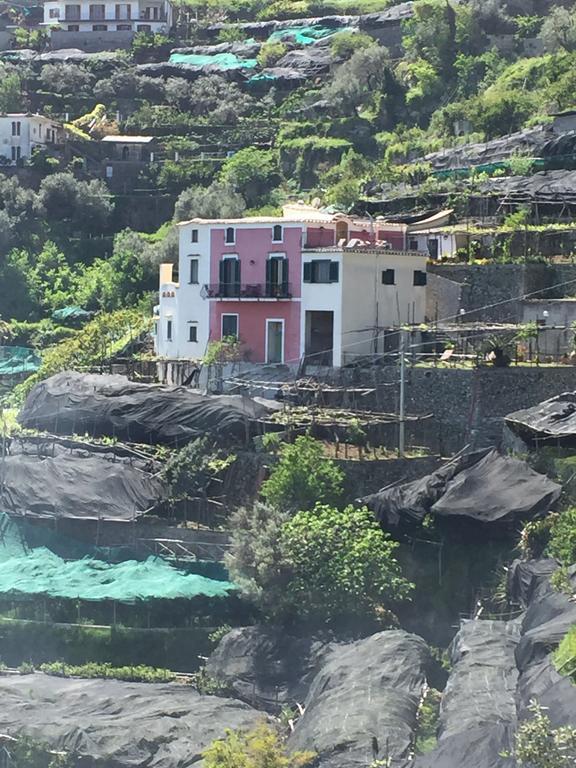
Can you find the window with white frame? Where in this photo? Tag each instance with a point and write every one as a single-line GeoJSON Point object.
{"type": "Point", "coordinates": [230, 236]}
{"type": "Point", "coordinates": [230, 326]}
{"type": "Point", "coordinates": [193, 272]}
{"type": "Point", "coordinates": [277, 233]}
{"type": "Point", "coordinates": [194, 236]}
{"type": "Point", "coordinates": [193, 332]}
{"type": "Point", "coordinates": [168, 330]}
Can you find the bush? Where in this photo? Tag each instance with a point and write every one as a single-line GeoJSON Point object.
{"type": "Point", "coordinates": [565, 655]}
{"type": "Point", "coordinates": [539, 745]}
{"type": "Point", "coordinates": [259, 748]}
{"type": "Point", "coordinates": [346, 43]}
{"type": "Point", "coordinates": [303, 477]}
{"type": "Point", "coordinates": [270, 53]}
{"type": "Point", "coordinates": [136, 674]}
{"type": "Point", "coordinates": [562, 544]}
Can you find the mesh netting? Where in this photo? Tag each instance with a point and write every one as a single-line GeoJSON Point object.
{"type": "Point", "coordinates": [39, 571]}
{"type": "Point", "coordinates": [219, 60]}
{"type": "Point", "coordinates": [18, 360]}
{"type": "Point", "coordinates": [306, 35]}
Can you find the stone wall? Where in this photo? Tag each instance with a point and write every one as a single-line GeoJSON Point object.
{"type": "Point", "coordinates": [91, 42]}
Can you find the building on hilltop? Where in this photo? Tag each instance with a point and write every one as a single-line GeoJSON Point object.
{"type": "Point", "coordinates": [97, 20]}
{"type": "Point", "coordinates": [23, 132]}
{"type": "Point", "coordinates": [309, 284]}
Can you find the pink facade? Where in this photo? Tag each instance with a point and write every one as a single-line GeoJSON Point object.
{"type": "Point", "coordinates": [320, 237]}
{"type": "Point", "coordinates": [252, 317]}
{"type": "Point", "coordinates": [254, 246]}
{"type": "Point", "coordinates": [396, 238]}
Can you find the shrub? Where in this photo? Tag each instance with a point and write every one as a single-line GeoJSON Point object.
{"type": "Point", "coordinates": [346, 43]}
{"type": "Point", "coordinates": [562, 544]}
{"type": "Point", "coordinates": [270, 53]}
{"type": "Point", "coordinates": [303, 477]}
{"type": "Point", "coordinates": [565, 655]}
{"type": "Point", "coordinates": [136, 674]}
{"type": "Point", "coordinates": [258, 748]}
{"type": "Point", "coordinates": [538, 745]}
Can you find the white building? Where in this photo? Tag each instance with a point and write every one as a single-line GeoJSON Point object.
{"type": "Point", "coordinates": [353, 297]}
{"type": "Point", "coordinates": [85, 16]}
{"type": "Point", "coordinates": [21, 133]}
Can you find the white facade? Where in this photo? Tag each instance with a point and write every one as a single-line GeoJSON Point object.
{"type": "Point", "coordinates": [89, 16]}
{"type": "Point", "coordinates": [377, 290]}
{"type": "Point", "coordinates": [181, 304]}
{"type": "Point", "coordinates": [21, 133]}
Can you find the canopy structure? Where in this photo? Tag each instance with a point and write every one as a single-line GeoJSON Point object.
{"type": "Point", "coordinates": [483, 486]}
{"type": "Point", "coordinates": [26, 570]}
{"type": "Point", "coordinates": [18, 361]}
{"type": "Point", "coordinates": [553, 421]}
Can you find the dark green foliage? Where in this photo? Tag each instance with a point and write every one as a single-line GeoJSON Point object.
{"type": "Point", "coordinates": [138, 673]}
{"type": "Point", "coordinates": [303, 477]}
{"type": "Point", "coordinates": [217, 201]}
{"type": "Point", "coordinates": [562, 544]}
{"type": "Point", "coordinates": [565, 655]}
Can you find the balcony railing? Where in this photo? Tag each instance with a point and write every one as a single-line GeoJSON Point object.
{"type": "Point", "coordinates": [247, 291]}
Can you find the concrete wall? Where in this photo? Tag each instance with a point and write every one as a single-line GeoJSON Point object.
{"type": "Point", "coordinates": [91, 42]}
{"type": "Point", "coordinates": [443, 298]}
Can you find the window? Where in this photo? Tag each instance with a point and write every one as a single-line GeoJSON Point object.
{"type": "Point", "coordinates": [169, 330]}
{"type": "Point", "coordinates": [194, 236]}
{"type": "Point", "coordinates": [230, 326]}
{"type": "Point", "coordinates": [16, 153]}
{"type": "Point", "coordinates": [388, 277]}
{"type": "Point", "coordinates": [73, 27]}
{"type": "Point", "coordinates": [277, 233]}
{"type": "Point", "coordinates": [97, 12]}
{"type": "Point", "coordinates": [54, 13]}
{"type": "Point", "coordinates": [123, 11]}
{"type": "Point", "coordinates": [420, 277]}
{"type": "Point", "coordinates": [143, 28]}
{"type": "Point", "coordinates": [99, 28]}
{"type": "Point", "coordinates": [123, 27]}
{"type": "Point", "coordinates": [193, 332]}
{"type": "Point", "coordinates": [193, 271]}
{"type": "Point", "coordinates": [413, 245]}
{"type": "Point", "coordinates": [16, 125]}
{"type": "Point", "coordinates": [321, 271]}
{"type": "Point", "coordinates": [230, 236]}
{"type": "Point", "coordinates": [72, 13]}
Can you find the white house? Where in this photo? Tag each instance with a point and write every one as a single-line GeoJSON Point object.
{"type": "Point", "coordinates": [21, 133]}
{"type": "Point", "coordinates": [85, 16]}
{"type": "Point", "coordinates": [353, 297]}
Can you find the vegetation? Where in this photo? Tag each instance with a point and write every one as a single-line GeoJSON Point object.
{"type": "Point", "coordinates": [257, 748]}
{"type": "Point", "coordinates": [303, 477]}
{"type": "Point", "coordinates": [136, 674]}
{"type": "Point", "coordinates": [562, 544]}
{"type": "Point", "coordinates": [539, 745]}
{"type": "Point", "coordinates": [280, 564]}
{"type": "Point", "coordinates": [565, 655]}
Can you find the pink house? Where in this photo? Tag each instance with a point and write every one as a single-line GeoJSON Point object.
{"type": "Point", "coordinates": [287, 286]}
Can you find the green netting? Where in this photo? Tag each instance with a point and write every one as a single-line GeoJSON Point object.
{"type": "Point", "coordinates": [221, 60]}
{"type": "Point", "coordinates": [70, 313]}
{"type": "Point", "coordinates": [18, 360]}
{"type": "Point", "coordinates": [29, 570]}
{"type": "Point", "coordinates": [303, 35]}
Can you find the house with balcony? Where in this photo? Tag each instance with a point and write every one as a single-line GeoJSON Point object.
{"type": "Point", "coordinates": [23, 132]}
{"type": "Point", "coordinates": [89, 25]}
{"type": "Point", "coordinates": [309, 284]}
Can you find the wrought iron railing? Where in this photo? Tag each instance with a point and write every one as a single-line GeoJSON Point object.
{"type": "Point", "coordinates": [247, 291]}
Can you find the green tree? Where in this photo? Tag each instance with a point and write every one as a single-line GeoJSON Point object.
{"type": "Point", "coordinates": [253, 173]}
{"type": "Point", "coordinates": [358, 81]}
{"type": "Point", "coordinates": [303, 477]}
{"type": "Point", "coordinates": [539, 745]}
{"type": "Point", "coordinates": [259, 748]}
{"type": "Point", "coordinates": [52, 281]}
{"type": "Point", "coordinates": [10, 90]}
{"type": "Point", "coordinates": [342, 564]}
{"type": "Point", "coordinates": [216, 201]}
{"type": "Point", "coordinates": [85, 205]}
{"type": "Point", "coordinates": [559, 30]}
{"type": "Point", "coordinates": [430, 35]}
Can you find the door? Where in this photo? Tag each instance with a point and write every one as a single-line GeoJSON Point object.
{"type": "Point", "coordinates": [274, 341]}
{"type": "Point", "coordinates": [230, 277]}
{"type": "Point", "coordinates": [319, 338]}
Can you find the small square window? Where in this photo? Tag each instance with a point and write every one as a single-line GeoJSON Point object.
{"type": "Point", "coordinates": [388, 277]}
{"type": "Point", "coordinates": [420, 277]}
{"type": "Point", "coordinates": [193, 332]}
{"type": "Point", "coordinates": [230, 236]}
{"type": "Point", "coordinates": [193, 271]}
{"type": "Point", "coordinates": [194, 237]}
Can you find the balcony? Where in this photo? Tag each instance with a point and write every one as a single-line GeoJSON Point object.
{"type": "Point", "coordinates": [247, 292]}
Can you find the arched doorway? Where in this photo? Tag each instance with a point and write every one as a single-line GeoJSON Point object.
{"type": "Point", "coordinates": [341, 231]}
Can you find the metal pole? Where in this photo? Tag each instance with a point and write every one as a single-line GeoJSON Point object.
{"type": "Point", "coordinates": [401, 425]}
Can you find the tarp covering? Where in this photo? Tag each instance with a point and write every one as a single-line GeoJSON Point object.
{"type": "Point", "coordinates": [527, 578]}
{"type": "Point", "coordinates": [553, 421]}
{"type": "Point", "coordinates": [70, 313]}
{"type": "Point", "coordinates": [117, 724]}
{"type": "Point", "coordinates": [478, 712]}
{"type": "Point", "coordinates": [484, 486]}
{"type": "Point", "coordinates": [363, 703]}
{"type": "Point", "coordinates": [266, 666]}
{"type": "Point", "coordinates": [38, 571]}
{"type": "Point", "coordinates": [217, 60]}
{"type": "Point", "coordinates": [75, 403]}
{"type": "Point", "coordinates": [75, 483]}
{"type": "Point", "coordinates": [302, 35]}
{"type": "Point", "coordinates": [15, 361]}
{"type": "Point", "coordinates": [308, 62]}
